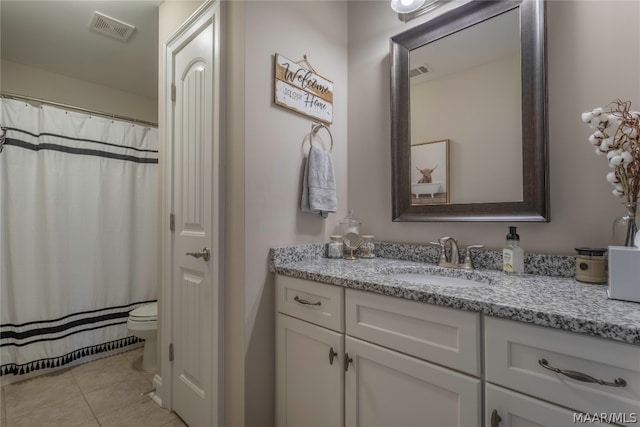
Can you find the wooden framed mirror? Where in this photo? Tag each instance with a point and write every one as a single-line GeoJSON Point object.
{"type": "Point", "coordinates": [476, 77]}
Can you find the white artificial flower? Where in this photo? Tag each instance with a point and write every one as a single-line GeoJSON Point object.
{"type": "Point", "coordinates": [586, 117]}
{"type": "Point", "coordinates": [619, 187]}
{"type": "Point", "coordinates": [615, 161]}
{"type": "Point", "coordinates": [613, 120]}
{"type": "Point", "coordinates": [617, 193]}
{"type": "Point", "coordinates": [605, 144]}
{"type": "Point", "coordinates": [612, 178]}
{"type": "Point", "coordinates": [630, 132]}
{"type": "Point", "coordinates": [626, 158]}
{"type": "Point", "coordinates": [597, 111]}
{"type": "Point", "coordinates": [611, 154]}
{"type": "Point", "coordinates": [594, 140]}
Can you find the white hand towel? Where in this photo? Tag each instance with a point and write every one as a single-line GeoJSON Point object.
{"type": "Point", "coordinates": [319, 184]}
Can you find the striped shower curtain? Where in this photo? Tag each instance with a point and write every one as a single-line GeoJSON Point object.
{"type": "Point", "coordinates": [78, 233]}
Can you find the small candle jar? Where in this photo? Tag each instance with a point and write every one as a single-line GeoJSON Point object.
{"type": "Point", "coordinates": [591, 265]}
{"type": "Point", "coordinates": [367, 247]}
{"type": "Point", "coordinates": [334, 249]}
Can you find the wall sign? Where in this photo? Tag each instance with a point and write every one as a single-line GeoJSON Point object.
{"type": "Point", "coordinates": [302, 90]}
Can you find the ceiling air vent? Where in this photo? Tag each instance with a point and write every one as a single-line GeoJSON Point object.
{"type": "Point", "coordinates": [111, 27]}
{"type": "Point", "coordinates": [418, 71]}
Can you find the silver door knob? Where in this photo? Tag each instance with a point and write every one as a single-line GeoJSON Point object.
{"type": "Point", "coordinates": [205, 254]}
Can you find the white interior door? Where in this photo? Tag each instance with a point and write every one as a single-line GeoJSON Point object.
{"type": "Point", "coordinates": [193, 69]}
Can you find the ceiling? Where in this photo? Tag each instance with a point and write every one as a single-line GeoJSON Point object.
{"type": "Point", "coordinates": [54, 35]}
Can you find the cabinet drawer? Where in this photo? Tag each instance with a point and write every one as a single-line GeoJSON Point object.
{"type": "Point", "coordinates": [441, 335]}
{"type": "Point", "coordinates": [311, 301]}
{"type": "Point", "coordinates": [506, 408]}
{"type": "Point", "coordinates": [514, 351]}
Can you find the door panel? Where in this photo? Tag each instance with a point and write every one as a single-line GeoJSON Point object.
{"type": "Point", "coordinates": [310, 386]}
{"type": "Point", "coordinates": [387, 388]}
{"type": "Point", "coordinates": [193, 64]}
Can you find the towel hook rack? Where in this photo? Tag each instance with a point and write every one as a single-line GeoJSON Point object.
{"type": "Point", "coordinates": [315, 127]}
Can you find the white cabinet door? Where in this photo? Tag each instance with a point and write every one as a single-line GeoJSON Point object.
{"type": "Point", "coordinates": [386, 388]}
{"type": "Point", "coordinates": [505, 408]}
{"type": "Point", "coordinates": [310, 374]}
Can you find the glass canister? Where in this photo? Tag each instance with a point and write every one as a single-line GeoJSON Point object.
{"type": "Point", "coordinates": [625, 227]}
{"type": "Point", "coordinates": [367, 247]}
{"type": "Point", "coordinates": [334, 249]}
{"type": "Point", "coordinates": [591, 265]}
{"type": "Point", "coordinates": [350, 224]}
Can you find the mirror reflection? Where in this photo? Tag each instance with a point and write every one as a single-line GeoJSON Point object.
{"type": "Point", "coordinates": [475, 76]}
{"type": "Point", "coordinates": [474, 102]}
{"type": "Point", "coordinates": [430, 173]}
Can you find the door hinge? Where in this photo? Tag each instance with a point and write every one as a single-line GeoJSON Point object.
{"type": "Point", "coordinates": [172, 221]}
{"type": "Point", "coordinates": [173, 92]}
{"type": "Point", "coordinates": [170, 352]}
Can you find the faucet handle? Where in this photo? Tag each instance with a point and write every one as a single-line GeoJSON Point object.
{"type": "Point", "coordinates": [468, 262]}
{"type": "Point", "coordinates": [443, 256]}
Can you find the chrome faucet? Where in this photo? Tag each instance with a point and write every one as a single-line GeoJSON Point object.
{"type": "Point", "coordinates": [453, 261]}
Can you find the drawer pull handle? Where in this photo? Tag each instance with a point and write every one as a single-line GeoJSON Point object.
{"type": "Point", "coordinates": [579, 376]}
{"type": "Point", "coordinates": [495, 418]}
{"type": "Point", "coordinates": [305, 302]}
{"type": "Point", "coordinates": [332, 354]}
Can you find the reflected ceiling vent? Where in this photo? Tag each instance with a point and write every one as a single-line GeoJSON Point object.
{"type": "Point", "coordinates": [111, 27]}
{"type": "Point", "coordinates": [418, 71]}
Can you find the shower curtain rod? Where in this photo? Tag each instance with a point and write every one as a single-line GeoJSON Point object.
{"type": "Point", "coordinates": [71, 107]}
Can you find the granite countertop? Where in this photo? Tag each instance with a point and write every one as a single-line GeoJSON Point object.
{"type": "Point", "coordinates": [552, 301]}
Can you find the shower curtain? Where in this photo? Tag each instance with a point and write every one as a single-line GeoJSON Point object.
{"type": "Point", "coordinates": [78, 233]}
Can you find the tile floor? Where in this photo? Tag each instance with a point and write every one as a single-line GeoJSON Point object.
{"type": "Point", "coordinates": [107, 392]}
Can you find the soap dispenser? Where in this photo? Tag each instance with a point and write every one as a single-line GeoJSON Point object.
{"type": "Point", "coordinates": [512, 254]}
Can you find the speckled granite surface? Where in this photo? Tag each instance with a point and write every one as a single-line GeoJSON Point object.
{"type": "Point", "coordinates": [558, 302]}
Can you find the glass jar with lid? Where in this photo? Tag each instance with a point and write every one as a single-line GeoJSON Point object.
{"type": "Point", "coordinates": [367, 247]}
{"type": "Point", "coordinates": [350, 224]}
{"type": "Point", "coordinates": [334, 249]}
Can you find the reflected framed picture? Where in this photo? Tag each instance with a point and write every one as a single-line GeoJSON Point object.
{"type": "Point", "coordinates": [430, 173]}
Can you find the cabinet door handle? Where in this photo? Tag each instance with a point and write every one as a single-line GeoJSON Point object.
{"type": "Point", "coordinates": [332, 354]}
{"type": "Point", "coordinates": [347, 361]}
{"type": "Point", "coordinates": [305, 302]}
{"type": "Point", "coordinates": [495, 418]}
{"type": "Point", "coordinates": [579, 376]}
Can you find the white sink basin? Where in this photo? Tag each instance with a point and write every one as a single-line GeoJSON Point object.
{"type": "Point", "coordinates": [432, 279]}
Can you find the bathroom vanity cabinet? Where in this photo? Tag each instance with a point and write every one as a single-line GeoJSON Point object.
{"type": "Point", "coordinates": [357, 358]}
{"type": "Point", "coordinates": [373, 368]}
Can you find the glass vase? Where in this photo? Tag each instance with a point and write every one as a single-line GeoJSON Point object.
{"type": "Point", "coordinates": [625, 227]}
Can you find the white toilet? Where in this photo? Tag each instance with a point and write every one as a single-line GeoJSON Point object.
{"type": "Point", "coordinates": [143, 323]}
